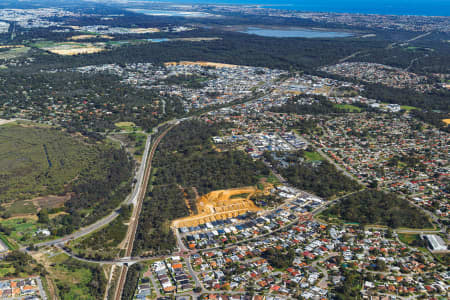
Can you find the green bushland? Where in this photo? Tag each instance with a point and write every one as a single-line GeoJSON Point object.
{"type": "Point", "coordinates": [5, 269]}
{"type": "Point", "coordinates": [20, 264]}
{"type": "Point", "coordinates": [137, 142]}
{"type": "Point", "coordinates": [40, 161]}
{"type": "Point", "coordinates": [20, 207]}
{"type": "Point", "coordinates": [103, 243]}
{"type": "Point", "coordinates": [321, 105]}
{"type": "Point", "coordinates": [279, 259]}
{"type": "Point", "coordinates": [184, 159]}
{"type": "Point", "coordinates": [269, 200]}
{"type": "Point", "coordinates": [186, 154]}
{"type": "Point", "coordinates": [350, 288]}
{"type": "Point", "coordinates": [318, 176]}
{"type": "Point", "coordinates": [77, 280]}
{"type": "Point", "coordinates": [378, 208]}
{"type": "Point", "coordinates": [443, 258]}
{"type": "Point", "coordinates": [131, 282]}
{"type": "Point", "coordinates": [90, 92]}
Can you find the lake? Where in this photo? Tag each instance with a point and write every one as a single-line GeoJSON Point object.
{"type": "Point", "coordinates": [294, 33]}
{"type": "Point", "coordinates": [158, 40]}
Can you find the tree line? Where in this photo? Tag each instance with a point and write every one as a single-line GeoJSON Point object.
{"type": "Point", "coordinates": [322, 178]}
{"type": "Point", "coordinates": [185, 158]}
{"type": "Point", "coordinates": [380, 208]}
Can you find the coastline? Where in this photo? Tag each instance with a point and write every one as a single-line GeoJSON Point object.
{"type": "Point", "coordinates": [429, 8]}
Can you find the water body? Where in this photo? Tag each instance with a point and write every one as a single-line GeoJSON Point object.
{"type": "Point", "coordinates": [292, 33]}
{"type": "Point", "coordinates": [382, 7]}
{"type": "Point", "coordinates": [158, 40]}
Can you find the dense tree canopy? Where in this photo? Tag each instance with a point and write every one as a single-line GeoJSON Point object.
{"type": "Point", "coordinates": [185, 159]}
{"type": "Point", "coordinates": [377, 207]}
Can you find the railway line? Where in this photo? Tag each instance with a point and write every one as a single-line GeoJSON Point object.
{"type": "Point", "coordinates": [134, 220]}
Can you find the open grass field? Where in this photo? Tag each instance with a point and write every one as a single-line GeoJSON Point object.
{"type": "Point", "coordinates": [5, 268]}
{"type": "Point", "coordinates": [312, 156]}
{"type": "Point", "coordinates": [408, 238]}
{"type": "Point", "coordinates": [23, 230]}
{"type": "Point", "coordinates": [37, 162]}
{"type": "Point", "coordinates": [348, 107]}
{"type": "Point", "coordinates": [407, 107]}
{"type": "Point", "coordinates": [128, 126]}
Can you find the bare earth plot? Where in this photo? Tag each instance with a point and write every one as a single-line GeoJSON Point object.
{"type": "Point", "coordinates": [72, 48]}
{"type": "Point", "coordinates": [88, 36]}
{"type": "Point", "coordinates": [218, 205]}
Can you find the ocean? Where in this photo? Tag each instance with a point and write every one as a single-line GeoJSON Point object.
{"type": "Point", "coordinates": [382, 7]}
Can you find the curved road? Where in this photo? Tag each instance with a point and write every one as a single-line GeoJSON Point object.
{"type": "Point", "coordinates": [132, 198]}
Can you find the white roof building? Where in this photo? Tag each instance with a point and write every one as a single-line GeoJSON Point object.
{"type": "Point", "coordinates": [436, 242]}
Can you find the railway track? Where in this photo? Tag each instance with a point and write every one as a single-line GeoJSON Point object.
{"type": "Point", "coordinates": [134, 220]}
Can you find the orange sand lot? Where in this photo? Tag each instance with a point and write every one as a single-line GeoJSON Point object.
{"type": "Point", "coordinates": [219, 205]}
{"type": "Point", "coordinates": [200, 63]}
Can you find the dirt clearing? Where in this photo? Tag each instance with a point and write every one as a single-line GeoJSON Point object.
{"type": "Point", "coordinates": [221, 204]}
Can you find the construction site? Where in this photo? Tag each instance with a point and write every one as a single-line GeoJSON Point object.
{"type": "Point", "coordinates": [219, 205]}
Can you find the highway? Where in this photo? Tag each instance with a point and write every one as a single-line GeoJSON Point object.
{"type": "Point", "coordinates": [137, 201]}
{"type": "Point", "coordinates": [131, 199]}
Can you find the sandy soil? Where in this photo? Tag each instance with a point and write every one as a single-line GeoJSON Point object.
{"type": "Point", "coordinates": [11, 46]}
{"type": "Point", "coordinates": [3, 121]}
{"type": "Point", "coordinates": [41, 258]}
{"type": "Point", "coordinates": [218, 205]}
{"type": "Point", "coordinates": [88, 36]}
{"type": "Point", "coordinates": [200, 63]}
{"type": "Point", "coordinates": [144, 30]}
{"type": "Point", "coordinates": [50, 201]}
{"type": "Point", "coordinates": [76, 51]}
